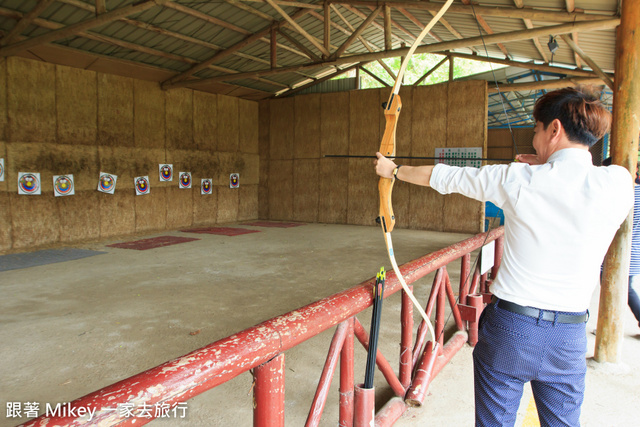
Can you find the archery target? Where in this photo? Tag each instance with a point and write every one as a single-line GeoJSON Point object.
{"type": "Point", "coordinates": [1, 170]}
{"type": "Point", "coordinates": [206, 186]}
{"type": "Point", "coordinates": [107, 183]}
{"type": "Point", "coordinates": [63, 185]}
{"type": "Point", "coordinates": [185, 179]}
{"type": "Point", "coordinates": [166, 172]}
{"type": "Point", "coordinates": [234, 180]}
{"type": "Point", "coordinates": [29, 183]}
{"type": "Point", "coordinates": [142, 185]}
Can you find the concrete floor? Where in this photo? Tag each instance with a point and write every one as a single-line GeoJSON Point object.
{"type": "Point", "coordinates": [70, 328]}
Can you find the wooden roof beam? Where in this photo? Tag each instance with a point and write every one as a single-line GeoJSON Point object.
{"type": "Point", "coordinates": [320, 80]}
{"type": "Point", "coordinates": [25, 21]}
{"type": "Point", "coordinates": [101, 7]}
{"type": "Point", "coordinates": [545, 84]}
{"type": "Point", "coordinates": [596, 69]}
{"type": "Point", "coordinates": [230, 50]}
{"type": "Point", "coordinates": [72, 30]}
{"type": "Point", "coordinates": [375, 77]}
{"type": "Point", "coordinates": [485, 26]}
{"type": "Point", "coordinates": [504, 12]}
{"type": "Point", "coordinates": [433, 48]}
{"type": "Point", "coordinates": [364, 42]}
{"type": "Point", "coordinates": [357, 33]}
{"type": "Point", "coordinates": [298, 28]}
{"type": "Point", "coordinates": [527, 65]}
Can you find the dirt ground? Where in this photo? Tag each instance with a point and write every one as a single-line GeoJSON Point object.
{"type": "Point", "coordinates": [70, 328]}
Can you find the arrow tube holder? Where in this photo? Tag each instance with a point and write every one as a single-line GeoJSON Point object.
{"type": "Point", "coordinates": [365, 406]}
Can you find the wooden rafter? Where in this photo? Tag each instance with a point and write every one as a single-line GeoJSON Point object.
{"type": "Point", "coordinates": [375, 24]}
{"type": "Point", "coordinates": [428, 73]}
{"type": "Point", "coordinates": [504, 12]}
{"type": "Point", "coordinates": [529, 24]}
{"type": "Point", "coordinates": [529, 65]}
{"type": "Point", "coordinates": [300, 46]}
{"type": "Point", "coordinates": [576, 57]}
{"type": "Point", "coordinates": [398, 26]}
{"type": "Point", "coordinates": [207, 18]}
{"type": "Point", "coordinates": [25, 21]}
{"type": "Point", "coordinates": [100, 7]}
{"type": "Point", "coordinates": [320, 80]}
{"type": "Point", "coordinates": [327, 25]}
{"type": "Point", "coordinates": [419, 24]}
{"type": "Point", "coordinates": [357, 33]}
{"type": "Point", "coordinates": [298, 28]}
{"type": "Point", "coordinates": [588, 60]}
{"type": "Point", "coordinates": [364, 42]}
{"type": "Point", "coordinates": [432, 48]}
{"type": "Point", "coordinates": [545, 84]}
{"type": "Point", "coordinates": [72, 30]}
{"type": "Point", "coordinates": [387, 27]}
{"type": "Point", "coordinates": [230, 50]}
{"type": "Point", "coordinates": [485, 26]}
{"type": "Point", "coordinates": [375, 77]}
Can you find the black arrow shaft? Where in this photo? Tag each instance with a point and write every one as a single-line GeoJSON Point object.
{"type": "Point", "coordinates": [419, 158]}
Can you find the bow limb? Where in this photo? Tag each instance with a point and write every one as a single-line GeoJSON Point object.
{"type": "Point", "coordinates": [388, 149]}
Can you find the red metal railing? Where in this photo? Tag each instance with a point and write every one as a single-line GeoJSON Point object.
{"type": "Point", "coordinates": [261, 349]}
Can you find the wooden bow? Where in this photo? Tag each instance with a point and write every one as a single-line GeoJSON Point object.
{"type": "Point", "coordinates": [388, 149]}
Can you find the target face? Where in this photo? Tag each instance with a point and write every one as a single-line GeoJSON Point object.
{"type": "Point", "coordinates": [234, 180]}
{"type": "Point", "coordinates": [206, 186]}
{"type": "Point", "coordinates": [166, 172]}
{"type": "Point", "coordinates": [185, 179]}
{"type": "Point", "coordinates": [29, 183]}
{"type": "Point", "coordinates": [142, 185]}
{"type": "Point", "coordinates": [107, 183]}
{"type": "Point", "coordinates": [63, 185]}
{"type": "Point", "coordinates": [1, 169]}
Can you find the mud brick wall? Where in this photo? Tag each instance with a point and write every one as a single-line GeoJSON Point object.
{"type": "Point", "coordinates": [60, 120]}
{"type": "Point", "coordinates": [298, 183]}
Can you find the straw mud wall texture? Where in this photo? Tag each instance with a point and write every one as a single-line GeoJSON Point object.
{"type": "Point", "coordinates": [297, 183]}
{"type": "Point", "coordinates": [57, 120]}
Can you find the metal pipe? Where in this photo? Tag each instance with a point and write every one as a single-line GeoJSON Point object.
{"type": "Point", "coordinates": [320, 398]}
{"type": "Point", "coordinates": [346, 378]}
{"type": "Point", "coordinates": [418, 390]}
{"type": "Point", "coordinates": [268, 393]}
{"type": "Point", "coordinates": [476, 302]}
{"type": "Point", "coordinates": [365, 406]}
{"type": "Point", "coordinates": [406, 339]}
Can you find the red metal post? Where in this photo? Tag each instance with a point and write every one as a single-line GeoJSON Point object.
{"type": "Point", "coordinates": [406, 339]}
{"type": "Point", "coordinates": [418, 390]}
{"type": "Point", "coordinates": [390, 412]}
{"type": "Point", "coordinates": [465, 269]}
{"type": "Point", "coordinates": [365, 406]}
{"type": "Point", "coordinates": [476, 302]}
{"type": "Point", "coordinates": [440, 311]}
{"type": "Point", "coordinates": [455, 311]}
{"type": "Point", "coordinates": [346, 378]}
{"type": "Point", "coordinates": [268, 393]}
{"type": "Point", "coordinates": [320, 398]}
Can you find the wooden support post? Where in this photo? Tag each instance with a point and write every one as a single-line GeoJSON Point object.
{"type": "Point", "coordinates": [274, 48]}
{"type": "Point", "coordinates": [387, 27]}
{"type": "Point", "coordinates": [624, 147]}
{"type": "Point", "coordinates": [327, 26]}
{"type": "Point", "coordinates": [450, 68]}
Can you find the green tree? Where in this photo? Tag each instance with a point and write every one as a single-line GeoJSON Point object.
{"type": "Point", "coordinates": [418, 66]}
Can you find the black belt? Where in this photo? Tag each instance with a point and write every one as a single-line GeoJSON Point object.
{"type": "Point", "coordinates": [549, 316]}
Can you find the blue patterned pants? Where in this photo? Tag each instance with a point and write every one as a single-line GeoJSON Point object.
{"type": "Point", "coordinates": [514, 349]}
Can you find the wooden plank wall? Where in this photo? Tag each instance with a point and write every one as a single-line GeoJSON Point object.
{"type": "Point", "coordinates": [61, 120]}
{"type": "Point", "coordinates": [297, 183]}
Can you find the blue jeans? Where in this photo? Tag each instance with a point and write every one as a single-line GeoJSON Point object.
{"type": "Point", "coordinates": [514, 349]}
{"type": "Point", "coordinates": [634, 300]}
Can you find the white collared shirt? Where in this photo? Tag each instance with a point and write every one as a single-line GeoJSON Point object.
{"type": "Point", "coordinates": [560, 218]}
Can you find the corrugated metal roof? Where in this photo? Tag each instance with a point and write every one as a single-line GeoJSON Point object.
{"type": "Point", "coordinates": [181, 34]}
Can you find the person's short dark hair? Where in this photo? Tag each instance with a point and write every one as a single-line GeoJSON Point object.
{"type": "Point", "coordinates": [583, 116]}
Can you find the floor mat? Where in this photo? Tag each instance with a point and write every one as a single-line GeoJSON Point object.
{"type": "Point", "coordinates": [156, 242]}
{"type": "Point", "coordinates": [44, 257]}
{"type": "Point", "coordinates": [275, 224]}
{"type": "Point", "coordinates": [222, 231]}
